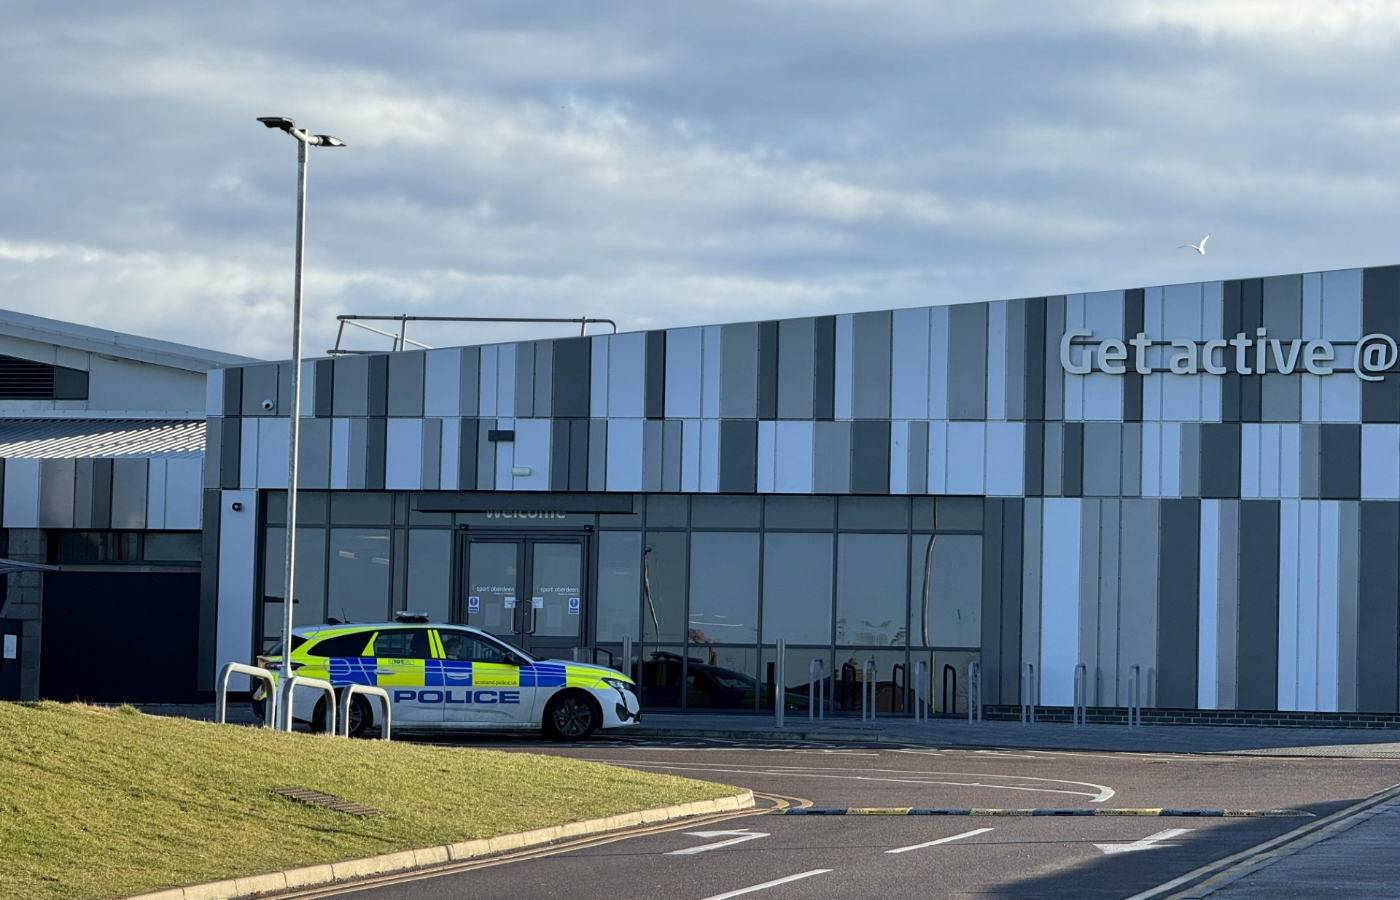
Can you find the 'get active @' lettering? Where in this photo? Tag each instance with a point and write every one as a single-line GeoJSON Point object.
{"type": "Point", "coordinates": [449, 696]}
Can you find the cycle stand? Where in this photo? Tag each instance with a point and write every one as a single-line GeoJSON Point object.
{"type": "Point", "coordinates": [345, 699]}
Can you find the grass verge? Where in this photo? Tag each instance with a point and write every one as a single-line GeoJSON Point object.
{"type": "Point", "coordinates": [102, 803]}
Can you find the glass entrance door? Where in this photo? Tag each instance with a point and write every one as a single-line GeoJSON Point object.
{"type": "Point", "coordinates": [528, 590]}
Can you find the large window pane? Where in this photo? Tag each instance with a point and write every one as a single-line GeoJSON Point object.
{"type": "Point", "coordinates": [663, 586]}
{"type": "Point", "coordinates": [871, 589]}
{"type": "Point", "coordinates": [722, 678]}
{"type": "Point", "coordinates": [310, 606]}
{"type": "Point", "coordinates": [359, 583]}
{"type": "Point", "coordinates": [619, 584]}
{"type": "Point", "coordinates": [799, 512]}
{"type": "Point", "coordinates": [355, 508]}
{"type": "Point", "coordinates": [667, 511]}
{"type": "Point", "coordinates": [724, 587]}
{"type": "Point", "coordinates": [430, 572]}
{"type": "Point", "coordinates": [874, 513]}
{"type": "Point", "coordinates": [953, 615]}
{"type": "Point", "coordinates": [797, 588]}
{"type": "Point", "coordinates": [725, 511]}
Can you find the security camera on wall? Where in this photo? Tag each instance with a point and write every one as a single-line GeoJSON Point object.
{"type": "Point", "coordinates": [267, 405]}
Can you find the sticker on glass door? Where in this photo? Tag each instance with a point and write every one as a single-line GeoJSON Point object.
{"type": "Point", "coordinates": [473, 604]}
{"type": "Point", "coordinates": [574, 606]}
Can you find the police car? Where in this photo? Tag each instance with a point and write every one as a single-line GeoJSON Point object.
{"type": "Point", "coordinates": [452, 678]}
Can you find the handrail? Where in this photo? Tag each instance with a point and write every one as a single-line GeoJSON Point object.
{"type": "Point", "coordinates": [1081, 694]}
{"type": "Point", "coordinates": [867, 688]}
{"type": "Point", "coordinates": [920, 706]}
{"type": "Point", "coordinates": [1134, 697]}
{"type": "Point", "coordinates": [289, 684]}
{"type": "Point", "coordinates": [1028, 693]}
{"type": "Point", "coordinates": [950, 707]}
{"type": "Point", "coordinates": [350, 691]}
{"type": "Point", "coordinates": [780, 683]}
{"type": "Point", "coordinates": [816, 689]}
{"type": "Point", "coordinates": [221, 692]}
{"type": "Point", "coordinates": [974, 677]}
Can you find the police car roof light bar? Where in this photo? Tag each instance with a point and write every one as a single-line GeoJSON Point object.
{"type": "Point", "coordinates": [406, 616]}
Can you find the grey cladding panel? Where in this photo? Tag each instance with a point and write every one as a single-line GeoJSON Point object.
{"type": "Point", "coordinates": [738, 388]}
{"type": "Point", "coordinates": [1103, 459]}
{"type": "Point", "coordinates": [378, 376]}
{"type": "Point", "coordinates": [652, 451]}
{"type": "Point", "coordinates": [1380, 313]}
{"type": "Point", "coordinates": [129, 480]}
{"type": "Point", "coordinates": [1035, 459]}
{"type": "Point", "coordinates": [351, 396]}
{"type": "Point", "coordinates": [1054, 375]}
{"type": "Point", "coordinates": [471, 381]}
{"type": "Point", "coordinates": [103, 490]}
{"type": "Point", "coordinates": [1231, 323]}
{"type": "Point", "coordinates": [655, 387]}
{"type": "Point", "coordinates": [1378, 599]}
{"type": "Point", "coordinates": [559, 455]}
{"type": "Point", "coordinates": [323, 396]}
{"type": "Point", "coordinates": [406, 383]}
{"type": "Point", "coordinates": [1178, 603]}
{"type": "Point", "coordinates": [525, 379]}
{"type": "Point", "coordinates": [1133, 323]}
{"type": "Point", "coordinates": [578, 454]}
{"type": "Point", "coordinates": [544, 379]}
{"type": "Point", "coordinates": [1034, 390]}
{"type": "Point", "coordinates": [871, 350]}
{"type": "Point", "coordinates": [832, 467]}
{"type": "Point", "coordinates": [376, 453]}
{"type": "Point", "coordinates": [824, 362]}
{"type": "Point", "coordinates": [1072, 460]}
{"type": "Point", "coordinates": [1258, 605]}
{"type": "Point", "coordinates": [571, 373]}
{"type": "Point", "coordinates": [1340, 472]}
{"type": "Point", "coordinates": [870, 457]}
{"type": "Point", "coordinates": [796, 368]}
{"type": "Point", "coordinates": [1016, 360]}
{"type": "Point", "coordinates": [967, 361]}
{"type": "Point", "coordinates": [671, 456]}
{"type": "Point", "coordinates": [1220, 461]}
{"type": "Point", "coordinates": [1252, 317]}
{"type": "Point", "coordinates": [233, 391]}
{"type": "Point", "coordinates": [314, 454]}
{"type": "Point", "coordinates": [738, 456]}
{"type": "Point", "coordinates": [467, 447]}
{"type": "Point", "coordinates": [768, 370]}
{"type": "Point", "coordinates": [259, 386]}
{"type": "Point", "coordinates": [82, 494]}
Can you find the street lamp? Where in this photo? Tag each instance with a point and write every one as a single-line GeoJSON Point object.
{"type": "Point", "coordinates": [304, 140]}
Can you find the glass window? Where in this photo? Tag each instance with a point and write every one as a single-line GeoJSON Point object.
{"type": "Point", "coordinates": [722, 678]}
{"type": "Point", "coordinates": [311, 507]}
{"type": "Point", "coordinates": [310, 605]}
{"type": "Point", "coordinates": [797, 588]}
{"type": "Point", "coordinates": [952, 569]}
{"type": "Point", "coordinates": [624, 520]}
{"type": "Point", "coordinates": [173, 546]}
{"type": "Point", "coordinates": [724, 587]}
{"type": "Point", "coordinates": [343, 645]}
{"type": "Point", "coordinates": [924, 513]}
{"type": "Point", "coordinates": [960, 513]}
{"type": "Point", "coordinates": [874, 513]}
{"type": "Point", "coordinates": [356, 508]}
{"type": "Point", "coordinates": [359, 582]}
{"type": "Point", "coordinates": [403, 643]}
{"type": "Point", "coordinates": [725, 511]}
{"type": "Point", "coordinates": [872, 589]}
{"type": "Point", "coordinates": [667, 511]}
{"type": "Point", "coordinates": [430, 572]}
{"type": "Point", "coordinates": [94, 546]}
{"type": "Point", "coordinates": [661, 677]}
{"type": "Point", "coordinates": [663, 586]}
{"type": "Point", "coordinates": [799, 512]}
{"type": "Point", "coordinates": [466, 648]}
{"type": "Point", "coordinates": [619, 584]}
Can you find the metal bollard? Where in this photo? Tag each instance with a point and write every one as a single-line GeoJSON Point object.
{"type": "Point", "coordinates": [920, 705]}
{"type": "Point", "coordinates": [1081, 704]}
{"type": "Point", "coordinates": [1134, 697]}
{"type": "Point", "coordinates": [221, 692]}
{"type": "Point", "coordinates": [974, 681]}
{"type": "Point", "coordinates": [816, 688]}
{"type": "Point", "coordinates": [1028, 694]}
{"type": "Point", "coordinates": [780, 684]}
{"type": "Point", "coordinates": [867, 691]}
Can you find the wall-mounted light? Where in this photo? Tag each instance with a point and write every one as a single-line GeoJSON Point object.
{"type": "Point", "coordinates": [520, 471]}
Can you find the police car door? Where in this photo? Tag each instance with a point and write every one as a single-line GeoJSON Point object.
{"type": "Point", "coordinates": [402, 659]}
{"type": "Point", "coordinates": [484, 691]}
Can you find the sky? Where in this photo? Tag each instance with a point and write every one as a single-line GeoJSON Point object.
{"type": "Point", "coordinates": [671, 164]}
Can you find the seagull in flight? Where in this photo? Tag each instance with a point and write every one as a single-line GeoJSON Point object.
{"type": "Point", "coordinates": [1199, 248]}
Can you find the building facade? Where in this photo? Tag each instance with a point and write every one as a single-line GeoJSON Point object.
{"type": "Point", "coordinates": [1199, 480]}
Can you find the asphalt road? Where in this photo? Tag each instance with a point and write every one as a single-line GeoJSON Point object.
{"type": "Point", "coordinates": [917, 856]}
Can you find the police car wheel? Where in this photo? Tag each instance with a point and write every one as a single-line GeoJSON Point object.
{"type": "Point", "coordinates": [571, 716]}
{"type": "Point", "coordinates": [361, 716]}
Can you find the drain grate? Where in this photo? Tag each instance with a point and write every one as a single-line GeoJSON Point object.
{"type": "Point", "coordinates": [329, 801]}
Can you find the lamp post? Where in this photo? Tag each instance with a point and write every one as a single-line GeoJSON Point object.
{"type": "Point", "coordinates": [304, 140]}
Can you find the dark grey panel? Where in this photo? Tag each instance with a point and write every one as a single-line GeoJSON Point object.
{"type": "Point", "coordinates": [314, 454]}
{"type": "Point", "coordinates": [1102, 460]}
{"type": "Point", "coordinates": [597, 454]}
{"type": "Point", "coordinates": [233, 392]}
{"type": "Point", "coordinates": [1002, 566]}
{"type": "Point", "coordinates": [738, 371]}
{"type": "Point", "coordinates": [376, 453]}
{"type": "Point", "coordinates": [1339, 476]}
{"type": "Point", "coordinates": [1133, 318]}
{"type": "Point", "coordinates": [1132, 460]}
{"type": "Point", "coordinates": [1054, 375]}
{"type": "Point", "coordinates": [378, 379]}
{"type": "Point", "coordinates": [406, 383]}
{"type": "Point", "coordinates": [471, 382]}
{"type": "Point", "coordinates": [1190, 459]}
{"type": "Point", "coordinates": [1035, 458]}
{"type": "Point", "coordinates": [796, 368]}
{"type": "Point", "coordinates": [991, 661]}
{"type": "Point", "coordinates": [466, 453]}
{"type": "Point", "coordinates": [671, 456]}
{"type": "Point", "coordinates": [578, 454]}
{"type": "Point", "coordinates": [738, 456]}
{"type": "Point", "coordinates": [1220, 461]}
{"type": "Point", "coordinates": [824, 364]}
{"type": "Point", "coordinates": [485, 456]}
{"type": "Point", "coordinates": [122, 487]}
{"type": "Point", "coordinates": [351, 396]}
{"type": "Point", "coordinates": [524, 380]}
{"type": "Point", "coordinates": [102, 475]}
{"type": "Point", "coordinates": [1052, 452]}
{"type": "Point", "coordinates": [1378, 600]}
{"type": "Point", "coordinates": [768, 370]}
{"type": "Point", "coordinates": [208, 589]}
{"type": "Point", "coordinates": [1258, 606]}
{"type": "Point", "coordinates": [544, 379]}
{"type": "Point", "coordinates": [1310, 462]}
{"type": "Point", "coordinates": [324, 388]}
{"type": "Point", "coordinates": [655, 389]}
{"type": "Point", "coordinates": [1034, 390]}
{"type": "Point", "coordinates": [69, 384]}
{"type": "Point", "coordinates": [230, 458]}
{"type": "Point", "coordinates": [871, 350]}
{"type": "Point", "coordinates": [259, 385]}
{"type": "Point", "coordinates": [1178, 603]}
{"type": "Point", "coordinates": [918, 458]}
{"type": "Point", "coordinates": [831, 469]}
{"type": "Point", "coordinates": [652, 450]}
{"type": "Point", "coordinates": [870, 457]}
{"type": "Point", "coordinates": [1232, 322]}
{"type": "Point", "coordinates": [571, 374]}
{"type": "Point", "coordinates": [284, 389]}
{"type": "Point", "coordinates": [967, 361]}
{"type": "Point", "coordinates": [1380, 313]}
{"type": "Point", "coordinates": [1281, 395]}
{"type": "Point", "coordinates": [1252, 317]}
{"type": "Point", "coordinates": [432, 454]}
{"type": "Point", "coordinates": [559, 450]}
{"type": "Point", "coordinates": [1072, 460]}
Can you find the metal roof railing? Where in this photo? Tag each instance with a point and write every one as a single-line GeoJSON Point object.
{"type": "Point", "coordinates": [402, 340]}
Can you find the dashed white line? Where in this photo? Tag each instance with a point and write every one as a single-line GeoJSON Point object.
{"type": "Point", "coordinates": [946, 840]}
{"type": "Point", "coordinates": [767, 884]}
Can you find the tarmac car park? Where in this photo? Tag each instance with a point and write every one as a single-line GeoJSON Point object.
{"type": "Point", "coordinates": [448, 678]}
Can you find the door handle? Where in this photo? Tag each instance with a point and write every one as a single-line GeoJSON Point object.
{"type": "Point", "coordinates": [384, 671]}
{"type": "Point", "coordinates": [463, 676]}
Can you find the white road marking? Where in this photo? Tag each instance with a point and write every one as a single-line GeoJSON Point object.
{"type": "Point", "coordinates": [946, 840]}
{"type": "Point", "coordinates": [1151, 842]}
{"type": "Point", "coordinates": [735, 837]}
{"type": "Point", "coordinates": [1100, 793]}
{"type": "Point", "coordinates": [767, 884]}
